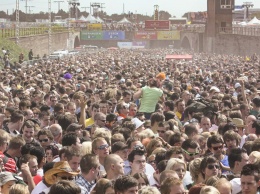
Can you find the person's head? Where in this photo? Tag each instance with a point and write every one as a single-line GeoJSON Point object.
{"type": "Point", "coordinates": [126, 184]}
{"type": "Point", "coordinates": [71, 139]}
{"type": "Point", "coordinates": [194, 168]}
{"type": "Point", "coordinates": [237, 159]}
{"type": "Point", "coordinates": [249, 179]}
{"type": "Point", "coordinates": [142, 179]}
{"type": "Point", "coordinates": [174, 152]}
{"type": "Point", "coordinates": [177, 139]}
{"type": "Point", "coordinates": [65, 187]}
{"type": "Point", "coordinates": [16, 144]}
{"type": "Point", "coordinates": [209, 166]}
{"type": "Point", "coordinates": [256, 127]}
{"type": "Point", "coordinates": [60, 171]}
{"type": "Point", "coordinates": [28, 130]}
{"type": "Point", "coordinates": [209, 190]}
{"type": "Point", "coordinates": [166, 174]}
{"type": "Point", "coordinates": [17, 118]}
{"type": "Point", "coordinates": [190, 130]}
{"type": "Point", "coordinates": [103, 186]}
{"type": "Point", "coordinates": [114, 166]}
{"type": "Point", "coordinates": [56, 131]}
{"type": "Point", "coordinates": [137, 159]}
{"type": "Point", "coordinates": [45, 118]}
{"type": "Point", "coordinates": [19, 189]}
{"type": "Point", "coordinates": [45, 137]}
{"type": "Point", "coordinates": [6, 181]}
{"type": "Point", "coordinates": [39, 152]}
{"type": "Point", "coordinates": [132, 109]}
{"type": "Point", "coordinates": [152, 145]}
{"type": "Point", "coordinates": [120, 149]}
{"type": "Point", "coordinates": [127, 96]}
{"type": "Point", "coordinates": [73, 157]}
{"type": "Point", "coordinates": [100, 147]}
{"type": "Point", "coordinates": [190, 149]}
{"type": "Point", "coordinates": [100, 119]}
{"type": "Point", "coordinates": [180, 105]}
{"type": "Point", "coordinates": [223, 186]}
{"type": "Point", "coordinates": [172, 186]}
{"type": "Point", "coordinates": [122, 108]}
{"type": "Point", "coordinates": [71, 107]}
{"type": "Point", "coordinates": [215, 144]}
{"type": "Point", "coordinates": [177, 165]}
{"type": "Point", "coordinates": [51, 151]}
{"type": "Point", "coordinates": [90, 165]}
{"type": "Point", "coordinates": [75, 128]}
{"type": "Point", "coordinates": [168, 105]}
{"type": "Point", "coordinates": [32, 163]}
{"type": "Point", "coordinates": [231, 139]}
{"type": "Point", "coordinates": [156, 118]}
{"type": "Point", "coordinates": [205, 123]}
{"type": "Point", "coordinates": [4, 140]}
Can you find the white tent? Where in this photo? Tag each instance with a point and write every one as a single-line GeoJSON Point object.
{"type": "Point", "coordinates": [91, 19]}
{"type": "Point", "coordinates": [124, 21]}
{"type": "Point", "coordinates": [83, 18]}
{"type": "Point", "coordinates": [99, 20]}
{"type": "Point", "coordinates": [242, 23]}
{"type": "Point", "coordinates": [254, 21]}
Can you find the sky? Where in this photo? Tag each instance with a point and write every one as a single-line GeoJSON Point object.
{"type": "Point", "coordinates": [146, 7]}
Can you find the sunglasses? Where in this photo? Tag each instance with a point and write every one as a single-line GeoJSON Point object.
{"type": "Point", "coordinates": [102, 147]}
{"type": "Point", "coordinates": [190, 154]}
{"type": "Point", "coordinates": [217, 148]}
{"type": "Point", "coordinates": [211, 166]}
{"type": "Point", "coordinates": [66, 178]}
{"type": "Point", "coordinates": [43, 140]}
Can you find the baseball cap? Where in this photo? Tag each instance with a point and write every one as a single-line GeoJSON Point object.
{"type": "Point", "coordinates": [237, 85]}
{"type": "Point", "coordinates": [118, 146]}
{"type": "Point", "coordinates": [5, 177]}
{"type": "Point", "coordinates": [138, 123]}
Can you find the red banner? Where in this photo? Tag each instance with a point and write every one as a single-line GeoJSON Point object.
{"type": "Point", "coordinates": [157, 25]}
{"type": "Point", "coordinates": [145, 35]}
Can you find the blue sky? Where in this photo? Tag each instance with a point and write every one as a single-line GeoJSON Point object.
{"type": "Point", "coordinates": [174, 7]}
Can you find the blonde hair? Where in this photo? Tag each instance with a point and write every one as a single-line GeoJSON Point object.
{"type": "Point", "coordinates": [86, 147]}
{"type": "Point", "coordinates": [148, 190]}
{"type": "Point", "coordinates": [256, 156]}
{"type": "Point", "coordinates": [221, 182]}
{"type": "Point", "coordinates": [173, 161]}
{"type": "Point", "coordinates": [194, 168]}
{"type": "Point", "coordinates": [146, 133]}
{"type": "Point", "coordinates": [19, 189]}
{"type": "Point", "coordinates": [102, 132]}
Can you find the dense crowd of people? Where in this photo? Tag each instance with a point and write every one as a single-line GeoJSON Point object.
{"type": "Point", "coordinates": [130, 121]}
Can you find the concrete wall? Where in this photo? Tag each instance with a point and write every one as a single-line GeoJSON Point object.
{"type": "Point", "coordinates": [237, 44]}
{"type": "Point", "coordinates": [40, 43]}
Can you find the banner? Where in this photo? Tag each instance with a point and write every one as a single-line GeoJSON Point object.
{"type": "Point", "coordinates": [88, 35]}
{"type": "Point", "coordinates": [127, 45]}
{"type": "Point", "coordinates": [139, 43]}
{"type": "Point", "coordinates": [113, 35]}
{"type": "Point", "coordinates": [157, 24]}
{"type": "Point", "coordinates": [95, 27]}
{"type": "Point", "coordinates": [146, 35]}
{"type": "Point", "coordinates": [168, 35]}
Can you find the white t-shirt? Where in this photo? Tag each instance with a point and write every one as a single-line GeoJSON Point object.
{"type": "Point", "coordinates": [39, 188]}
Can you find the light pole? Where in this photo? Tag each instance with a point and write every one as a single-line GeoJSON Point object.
{"type": "Point", "coordinates": [49, 31]}
{"type": "Point", "coordinates": [247, 5]}
{"type": "Point", "coordinates": [17, 26]}
{"type": "Point", "coordinates": [156, 12]}
{"type": "Point", "coordinates": [58, 4]}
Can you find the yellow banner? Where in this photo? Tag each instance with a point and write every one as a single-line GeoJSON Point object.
{"type": "Point", "coordinates": [95, 27]}
{"type": "Point", "coordinates": [168, 35]}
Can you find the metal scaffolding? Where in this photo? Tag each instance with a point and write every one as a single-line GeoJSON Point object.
{"type": "Point", "coordinates": [17, 23]}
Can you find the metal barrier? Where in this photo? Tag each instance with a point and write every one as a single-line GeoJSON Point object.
{"type": "Point", "coordinates": [243, 30]}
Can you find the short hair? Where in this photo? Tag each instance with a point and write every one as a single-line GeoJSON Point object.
{"type": "Point", "coordinates": [39, 152]}
{"type": "Point", "coordinates": [69, 139]}
{"type": "Point", "coordinates": [102, 185]}
{"type": "Point", "coordinates": [88, 162]}
{"type": "Point", "coordinates": [222, 181]}
{"type": "Point", "coordinates": [4, 137]}
{"type": "Point", "coordinates": [205, 161]}
{"type": "Point", "coordinates": [45, 132]}
{"type": "Point", "coordinates": [256, 125]}
{"type": "Point", "coordinates": [26, 158]}
{"type": "Point", "coordinates": [19, 189]}
{"type": "Point", "coordinates": [124, 182]}
{"type": "Point", "coordinates": [139, 151]}
{"type": "Point", "coordinates": [142, 175]}
{"type": "Point", "coordinates": [16, 143]}
{"type": "Point", "coordinates": [72, 152]}
{"type": "Point", "coordinates": [117, 137]}
{"type": "Point", "coordinates": [131, 140]}
{"type": "Point", "coordinates": [173, 150]}
{"type": "Point", "coordinates": [170, 104]}
{"type": "Point", "coordinates": [44, 113]}
{"type": "Point", "coordinates": [94, 143]}
{"type": "Point", "coordinates": [167, 173]}
{"type": "Point", "coordinates": [54, 149]}
{"type": "Point", "coordinates": [175, 138]}
{"type": "Point", "coordinates": [255, 145]}
{"type": "Point", "coordinates": [55, 129]}
{"type": "Point", "coordinates": [168, 183]}
{"type": "Point", "coordinates": [65, 187]}
{"type": "Point", "coordinates": [250, 170]}
{"type": "Point", "coordinates": [209, 190]}
{"type": "Point", "coordinates": [214, 139]}
{"type": "Point", "coordinates": [156, 117]}
{"type": "Point", "coordinates": [175, 161]}
{"type": "Point", "coordinates": [232, 135]}
{"type": "Point", "coordinates": [64, 120]}
{"type": "Point", "coordinates": [58, 107]}
{"type": "Point", "coordinates": [235, 155]}
{"type": "Point", "coordinates": [28, 124]}
{"type": "Point", "coordinates": [190, 129]}
{"type": "Point", "coordinates": [16, 116]}
{"type": "Point", "coordinates": [189, 143]}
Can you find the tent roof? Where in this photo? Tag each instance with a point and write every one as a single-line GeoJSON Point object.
{"type": "Point", "coordinates": [83, 18]}
{"type": "Point", "coordinates": [124, 21]}
{"type": "Point", "coordinates": [99, 20]}
{"type": "Point", "coordinates": [91, 18]}
{"type": "Point", "coordinates": [178, 57]}
{"type": "Point", "coordinates": [254, 21]}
